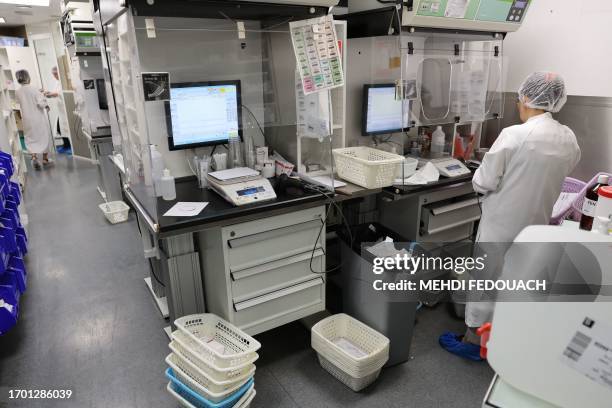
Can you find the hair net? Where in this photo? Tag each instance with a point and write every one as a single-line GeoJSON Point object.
{"type": "Point", "coordinates": [543, 90]}
{"type": "Point", "coordinates": [23, 77]}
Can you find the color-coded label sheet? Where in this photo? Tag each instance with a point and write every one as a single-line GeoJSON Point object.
{"type": "Point", "coordinates": [319, 62]}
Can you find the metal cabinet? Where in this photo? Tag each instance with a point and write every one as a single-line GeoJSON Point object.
{"type": "Point", "coordinates": [447, 214]}
{"type": "Point", "coordinates": [259, 274]}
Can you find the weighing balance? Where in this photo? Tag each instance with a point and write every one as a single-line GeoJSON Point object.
{"type": "Point", "coordinates": [241, 186]}
{"type": "Point", "coordinates": [447, 166]}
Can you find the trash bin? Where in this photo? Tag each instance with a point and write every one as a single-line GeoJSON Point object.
{"type": "Point", "coordinates": [392, 314]}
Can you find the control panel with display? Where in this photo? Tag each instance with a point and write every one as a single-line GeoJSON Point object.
{"type": "Point", "coordinates": [244, 192]}
{"type": "Point", "coordinates": [449, 167]}
{"type": "Point", "coordinates": [479, 15]}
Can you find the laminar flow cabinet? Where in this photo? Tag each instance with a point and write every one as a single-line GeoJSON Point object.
{"type": "Point", "coordinates": [265, 273]}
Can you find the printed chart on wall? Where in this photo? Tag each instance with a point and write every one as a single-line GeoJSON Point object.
{"type": "Point", "coordinates": [315, 44]}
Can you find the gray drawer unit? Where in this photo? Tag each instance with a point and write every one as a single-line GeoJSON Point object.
{"type": "Point", "coordinates": [448, 215]}
{"type": "Point", "coordinates": [271, 276]}
{"type": "Point", "coordinates": [259, 274]}
{"type": "Point", "coordinates": [271, 245]}
{"type": "Point", "coordinates": [280, 307]}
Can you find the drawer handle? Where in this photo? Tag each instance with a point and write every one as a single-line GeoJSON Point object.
{"type": "Point", "coordinates": [250, 239]}
{"type": "Point", "coordinates": [451, 226]}
{"type": "Point", "coordinates": [277, 295]}
{"type": "Point", "coordinates": [256, 270]}
{"type": "Point", "coordinates": [454, 206]}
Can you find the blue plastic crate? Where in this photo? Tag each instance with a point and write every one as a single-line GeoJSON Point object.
{"type": "Point", "coordinates": [6, 162]}
{"type": "Point", "coordinates": [22, 245]}
{"type": "Point", "coordinates": [9, 312]}
{"type": "Point", "coordinates": [17, 267]}
{"type": "Point", "coordinates": [15, 191]}
{"type": "Point", "coordinates": [8, 288]}
{"type": "Point", "coordinates": [200, 402]}
{"type": "Point", "coordinates": [8, 221]}
{"type": "Point", "coordinates": [5, 257]}
{"type": "Point", "coordinates": [12, 205]}
{"type": "Point", "coordinates": [8, 240]}
{"type": "Point", "coordinates": [13, 214]}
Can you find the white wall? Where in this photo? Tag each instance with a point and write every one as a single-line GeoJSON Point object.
{"type": "Point", "coordinates": [568, 37]}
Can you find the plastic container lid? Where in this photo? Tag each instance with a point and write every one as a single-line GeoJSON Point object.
{"type": "Point", "coordinates": [603, 179]}
{"type": "Point", "coordinates": [605, 191]}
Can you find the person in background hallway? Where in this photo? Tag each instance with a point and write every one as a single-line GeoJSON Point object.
{"type": "Point", "coordinates": [521, 178]}
{"type": "Point", "coordinates": [56, 95]}
{"type": "Point", "coordinates": [34, 110]}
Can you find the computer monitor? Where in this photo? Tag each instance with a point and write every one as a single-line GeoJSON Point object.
{"type": "Point", "coordinates": [382, 112]}
{"type": "Point", "coordinates": [203, 114]}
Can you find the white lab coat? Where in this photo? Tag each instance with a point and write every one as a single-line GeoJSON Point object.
{"type": "Point", "coordinates": [35, 121]}
{"type": "Point", "coordinates": [521, 177]}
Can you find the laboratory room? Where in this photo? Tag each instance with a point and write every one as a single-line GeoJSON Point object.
{"type": "Point", "coordinates": [305, 203]}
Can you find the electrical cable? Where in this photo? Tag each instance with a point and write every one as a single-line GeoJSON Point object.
{"type": "Point", "coordinates": [331, 203]}
{"type": "Point", "coordinates": [256, 121]}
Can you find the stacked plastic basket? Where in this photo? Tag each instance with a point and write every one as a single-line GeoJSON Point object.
{"type": "Point", "coordinates": [349, 350]}
{"type": "Point", "coordinates": [13, 246]}
{"type": "Point", "coordinates": [211, 364]}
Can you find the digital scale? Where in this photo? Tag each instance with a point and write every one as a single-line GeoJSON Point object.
{"type": "Point", "coordinates": [241, 186]}
{"type": "Point", "coordinates": [447, 166]}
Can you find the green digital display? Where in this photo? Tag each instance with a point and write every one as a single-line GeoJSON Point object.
{"type": "Point", "coordinates": [505, 11]}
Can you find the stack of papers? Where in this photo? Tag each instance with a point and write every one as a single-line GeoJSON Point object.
{"type": "Point", "coordinates": [426, 174]}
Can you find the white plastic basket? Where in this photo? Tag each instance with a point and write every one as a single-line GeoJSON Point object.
{"type": "Point", "coordinates": [207, 332]}
{"type": "Point", "coordinates": [347, 364]}
{"type": "Point", "coordinates": [243, 402]}
{"type": "Point", "coordinates": [354, 383]}
{"type": "Point", "coordinates": [247, 398]}
{"type": "Point", "coordinates": [115, 211]}
{"type": "Point", "coordinates": [374, 344]}
{"type": "Point", "coordinates": [192, 377]}
{"type": "Point", "coordinates": [185, 346]}
{"type": "Point", "coordinates": [367, 167]}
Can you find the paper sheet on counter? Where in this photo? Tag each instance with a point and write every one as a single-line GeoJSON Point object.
{"type": "Point", "coordinates": [426, 174]}
{"type": "Point", "coordinates": [185, 209]}
{"type": "Point", "coordinates": [327, 181]}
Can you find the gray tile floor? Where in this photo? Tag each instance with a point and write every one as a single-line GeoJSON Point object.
{"type": "Point", "coordinates": [89, 324]}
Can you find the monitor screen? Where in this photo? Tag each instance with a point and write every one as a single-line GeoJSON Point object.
{"type": "Point", "coordinates": [203, 114]}
{"type": "Point", "coordinates": [382, 113]}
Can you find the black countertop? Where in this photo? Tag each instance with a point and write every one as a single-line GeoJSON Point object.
{"type": "Point", "coordinates": [218, 209]}
{"type": "Point", "coordinates": [220, 212]}
{"type": "Point", "coordinates": [442, 182]}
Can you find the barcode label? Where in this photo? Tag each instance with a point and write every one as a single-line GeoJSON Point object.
{"type": "Point", "coordinates": [577, 346]}
{"type": "Point", "coordinates": [589, 352]}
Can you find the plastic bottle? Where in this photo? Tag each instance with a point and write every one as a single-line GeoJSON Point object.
{"type": "Point", "coordinates": [603, 211]}
{"type": "Point", "coordinates": [157, 169]}
{"type": "Point", "coordinates": [235, 153]}
{"type": "Point", "coordinates": [590, 203]}
{"type": "Point", "coordinates": [438, 140]}
{"type": "Point", "coordinates": [167, 186]}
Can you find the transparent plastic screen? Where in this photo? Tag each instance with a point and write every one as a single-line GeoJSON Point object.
{"type": "Point", "coordinates": [213, 88]}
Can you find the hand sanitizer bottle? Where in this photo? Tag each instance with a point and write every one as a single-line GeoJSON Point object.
{"type": "Point", "coordinates": [167, 186]}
